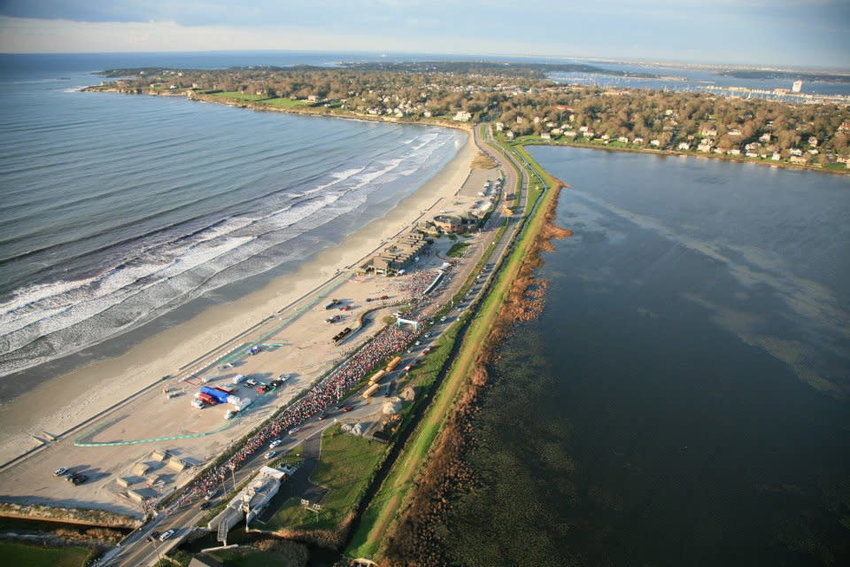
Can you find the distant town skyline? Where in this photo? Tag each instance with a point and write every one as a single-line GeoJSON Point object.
{"type": "Point", "coordinates": [798, 33]}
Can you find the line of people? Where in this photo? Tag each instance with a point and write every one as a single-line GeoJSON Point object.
{"type": "Point", "coordinates": [323, 395]}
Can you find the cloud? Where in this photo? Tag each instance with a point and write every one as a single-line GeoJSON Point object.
{"type": "Point", "coordinates": [780, 32]}
{"type": "Point", "coordinates": [29, 35]}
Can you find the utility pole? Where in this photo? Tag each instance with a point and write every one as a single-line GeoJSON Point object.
{"type": "Point", "coordinates": [158, 552]}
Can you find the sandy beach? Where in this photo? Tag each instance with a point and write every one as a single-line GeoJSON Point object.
{"type": "Point", "coordinates": [65, 401]}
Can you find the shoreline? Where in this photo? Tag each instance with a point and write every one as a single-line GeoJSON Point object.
{"type": "Point", "coordinates": [678, 153]}
{"type": "Point", "coordinates": [465, 374]}
{"type": "Point", "coordinates": [320, 112]}
{"type": "Point", "coordinates": [107, 382]}
{"type": "Point", "coordinates": [348, 115]}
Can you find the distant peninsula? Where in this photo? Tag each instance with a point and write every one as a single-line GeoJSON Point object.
{"type": "Point", "coordinates": [526, 106]}
{"type": "Point", "coordinates": [789, 75]}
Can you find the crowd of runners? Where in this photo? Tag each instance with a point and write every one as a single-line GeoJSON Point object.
{"type": "Point", "coordinates": [319, 398]}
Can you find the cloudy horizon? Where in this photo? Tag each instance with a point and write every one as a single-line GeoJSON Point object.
{"type": "Point", "coordinates": [809, 33]}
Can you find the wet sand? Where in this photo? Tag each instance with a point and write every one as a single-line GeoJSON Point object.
{"type": "Point", "coordinates": [63, 402]}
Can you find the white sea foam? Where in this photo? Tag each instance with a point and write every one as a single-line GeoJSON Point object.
{"type": "Point", "coordinates": [43, 321]}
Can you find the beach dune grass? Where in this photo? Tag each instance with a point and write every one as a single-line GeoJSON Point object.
{"type": "Point", "coordinates": [13, 553]}
{"type": "Point", "coordinates": [345, 467]}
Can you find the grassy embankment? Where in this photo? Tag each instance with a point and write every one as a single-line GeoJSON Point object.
{"type": "Point", "coordinates": [13, 553]}
{"type": "Point", "coordinates": [389, 502]}
{"type": "Point", "coordinates": [348, 464]}
{"type": "Point", "coordinates": [336, 468]}
{"type": "Point", "coordinates": [340, 469]}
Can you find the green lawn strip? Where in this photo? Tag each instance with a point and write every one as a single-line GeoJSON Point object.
{"type": "Point", "coordinates": [457, 249]}
{"type": "Point", "coordinates": [235, 95]}
{"type": "Point", "coordinates": [388, 503]}
{"type": "Point", "coordinates": [279, 102]}
{"type": "Point", "coordinates": [345, 467]}
{"type": "Point", "coordinates": [285, 102]}
{"type": "Point", "coordinates": [294, 457]}
{"type": "Point", "coordinates": [14, 553]}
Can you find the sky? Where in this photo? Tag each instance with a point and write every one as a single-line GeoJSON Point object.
{"type": "Point", "coordinates": [799, 33]}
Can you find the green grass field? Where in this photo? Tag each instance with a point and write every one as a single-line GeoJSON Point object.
{"type": "Point", "coordinates": [280, 102]}
{"type": "Point", "coordinates": [345, 467]}
{"type": "Point", "coordinates": [235, 95]}
{"type": "Point", "coordinates": [457, 249]}
{"type": "Point", "coordinates": [37, 556]}
{"type": "Point", "coordinates": [285, 102]}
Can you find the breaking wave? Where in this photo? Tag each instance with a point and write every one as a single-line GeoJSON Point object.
{"type": "Point", "coordinates": [135, 277]}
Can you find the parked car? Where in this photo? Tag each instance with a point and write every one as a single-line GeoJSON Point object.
{"type": "Point", "coordinates": [78, 479]}
{"type": "Point", "coordinates": [166, 535]}
{"type": "Point", "coordinates": [271, 455]}
{"type": "Point", "coordinates": [204, 505]}
{"type": "Point", "coordinates": [152, 536]}
{"type": "Point", "coordinates": [60, 471]}
{"type": "Point", "coordinates": [275, 443]}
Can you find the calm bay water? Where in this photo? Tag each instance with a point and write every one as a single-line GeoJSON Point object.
{"type": "Point", "coordinates": [696, 80]}
{"type": "Point", "coordinates": [116, 210]}
{"type": "Point", "coordinates": [683, 400]}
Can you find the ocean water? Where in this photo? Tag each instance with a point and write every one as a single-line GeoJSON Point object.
{"type": "Point", "coordinates": [116, 210]}
{"type": "Point", "coordinates": [696, 80]}
{"type": "Point", "coordinates": [684, 399]}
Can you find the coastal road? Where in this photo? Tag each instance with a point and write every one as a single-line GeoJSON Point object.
{"type": "Point", "coordinates": [138, 550]}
